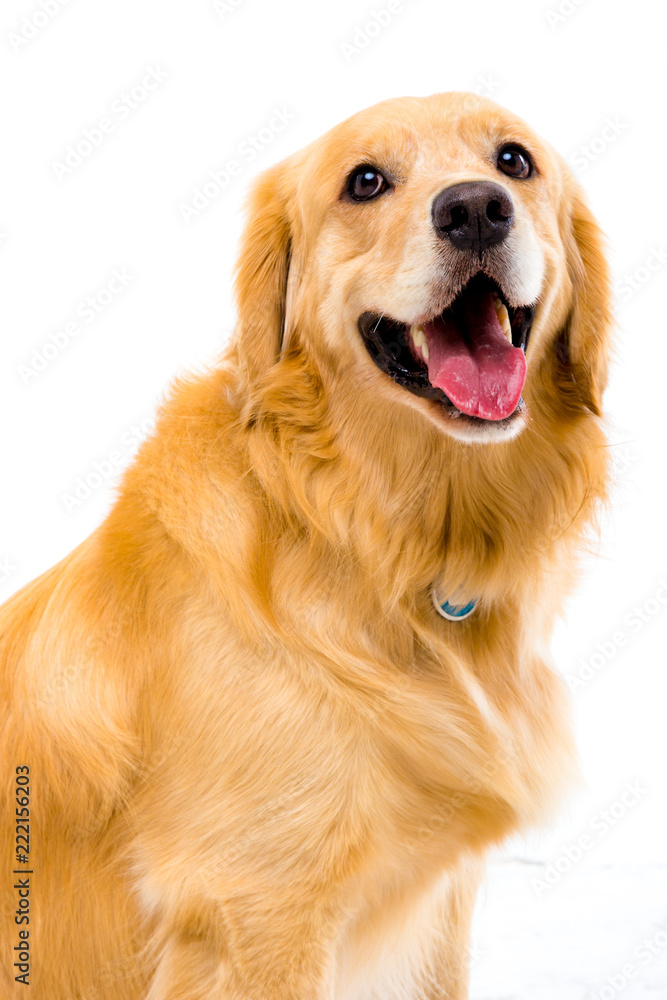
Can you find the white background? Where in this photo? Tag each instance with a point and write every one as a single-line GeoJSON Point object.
{"type": "Point", "coordinates": [588, 76]}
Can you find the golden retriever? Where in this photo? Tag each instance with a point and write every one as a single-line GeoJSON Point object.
{"type": "Point", "coordinates": [265, 723]}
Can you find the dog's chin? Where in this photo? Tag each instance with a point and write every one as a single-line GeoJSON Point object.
{"type": "Point", "coordinates": [475, 430]}
{"type": "Point", "coordinates": [465, 368]}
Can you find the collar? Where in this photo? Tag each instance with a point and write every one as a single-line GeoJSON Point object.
{"type": "Point", "coordinates": [453, 612]}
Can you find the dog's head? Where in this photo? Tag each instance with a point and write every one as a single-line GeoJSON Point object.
{"type": "Point", "coordinates": [431, 253]}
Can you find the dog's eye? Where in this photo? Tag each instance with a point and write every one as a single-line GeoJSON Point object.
{"type": "Point", "coordinates": [366, 182]}
{"type": "Point", "coordinates": [514, 162]}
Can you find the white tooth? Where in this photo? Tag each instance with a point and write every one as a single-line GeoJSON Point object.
{"type": "Point", "coordinates": [419, 340]}
{"type": "Point", "coordinates": [504, 320]}
{"type": "Point", "coordinates": [501, 312]}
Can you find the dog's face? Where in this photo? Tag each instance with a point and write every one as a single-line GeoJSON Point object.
{"type": "Point", "coordinates": [434, 252]}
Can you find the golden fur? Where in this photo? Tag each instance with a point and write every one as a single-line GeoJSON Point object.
{"type": "Point", "coordinates": [262, 765]}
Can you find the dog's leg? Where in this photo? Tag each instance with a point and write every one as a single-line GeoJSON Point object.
{"type": "Point", "coordinates": [449, 971]}
{"type": "Point", "coordinates": [285, 956]}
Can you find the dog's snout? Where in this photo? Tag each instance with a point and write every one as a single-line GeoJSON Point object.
{"type": "Point", "coordinates": [474, 215]}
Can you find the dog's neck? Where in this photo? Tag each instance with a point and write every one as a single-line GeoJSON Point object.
{"type": "Point", "coordinates": [359, 511]}
{"type": "Point", "coordinates": [410, 506]}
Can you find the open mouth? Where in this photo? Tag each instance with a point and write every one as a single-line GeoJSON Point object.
{"type": "Point", "coordinates": [471, 358]}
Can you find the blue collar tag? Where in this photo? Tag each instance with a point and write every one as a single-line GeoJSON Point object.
{"type": "Point", "coordinates": [452, 612]}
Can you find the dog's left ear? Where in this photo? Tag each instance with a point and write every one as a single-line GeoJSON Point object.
{"type": "Point", "coordinates": [261, 273]}
{"type": "Point", "coordinates": [584, 343]}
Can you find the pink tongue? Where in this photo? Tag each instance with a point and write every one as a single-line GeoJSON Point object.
{"type": "Point", "coordinates": [473, 362]}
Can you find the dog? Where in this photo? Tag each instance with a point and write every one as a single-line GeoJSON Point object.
{"type": "Point", "coordinates": [265, 724]}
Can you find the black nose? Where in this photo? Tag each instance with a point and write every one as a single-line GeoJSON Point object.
{"type": "Point", "coordinates": [474, 215]}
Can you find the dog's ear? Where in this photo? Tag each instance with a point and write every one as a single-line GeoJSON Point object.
{"type": "Point", "coordinates": [261, 273]}
{"type": "Point", "coordinates": [583, 345]}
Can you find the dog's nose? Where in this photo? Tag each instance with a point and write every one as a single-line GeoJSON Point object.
{"type": "Point", "coordinates": [474, 215]}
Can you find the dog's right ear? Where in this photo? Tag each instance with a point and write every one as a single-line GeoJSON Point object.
{"type": "Point", "coordinates": [583, 347]}
{"type": "Point", "coordinates": [261, 274]}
